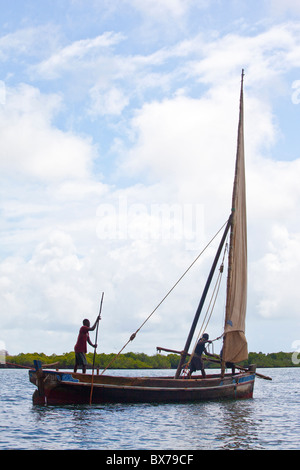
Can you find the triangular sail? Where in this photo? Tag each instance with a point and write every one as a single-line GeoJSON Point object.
{"type": "Point", "coordinates": [235, 344]}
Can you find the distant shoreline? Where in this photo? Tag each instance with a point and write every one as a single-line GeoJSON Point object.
{"type": "Point", "coordinates": [132, 360]}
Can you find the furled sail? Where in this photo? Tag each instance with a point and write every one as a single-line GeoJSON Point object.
{"type": "Point", "coordinates": [235, 344]}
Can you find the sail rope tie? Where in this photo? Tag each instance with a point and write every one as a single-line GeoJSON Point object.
{"type": "Point", "coordinates": [132, 337]}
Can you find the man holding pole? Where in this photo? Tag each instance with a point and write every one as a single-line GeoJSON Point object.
{"type": "Point", "coordinates": [81, 345]}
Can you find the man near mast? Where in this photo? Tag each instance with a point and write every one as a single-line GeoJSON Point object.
{"type": "Point", "coordinates": [197, 361]}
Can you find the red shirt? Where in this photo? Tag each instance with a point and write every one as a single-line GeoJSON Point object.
{"type": "Point", "coordinates": [80, 346]}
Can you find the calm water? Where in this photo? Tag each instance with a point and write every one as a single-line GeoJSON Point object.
{"type": "Point", "coordinates": [271, 420]}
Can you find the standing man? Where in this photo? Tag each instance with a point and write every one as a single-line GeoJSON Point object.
{"type": "Point", "coordinates": [81, 345]}
{"type": "Point", "coordinates": [197, 361]}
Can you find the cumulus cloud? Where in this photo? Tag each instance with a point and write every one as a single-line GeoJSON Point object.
{"type": "Point", "coordinates": [32, 145]}
{"type": "Point", "coordinates": [279, 297]}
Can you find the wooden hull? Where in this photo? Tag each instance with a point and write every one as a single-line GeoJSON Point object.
{"type": "Point", "coordinates": [59, 388]}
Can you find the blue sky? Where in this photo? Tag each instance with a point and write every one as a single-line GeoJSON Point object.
{"type": "Point", "coordinates": [118, 124]}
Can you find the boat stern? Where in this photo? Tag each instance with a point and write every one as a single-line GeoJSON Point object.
{"type": "Point", "coordinates": [45, 381]}
{"type": "Point", "coordinates": [245, 384]}
{"type": "Point", "coordinates": [36, 377]}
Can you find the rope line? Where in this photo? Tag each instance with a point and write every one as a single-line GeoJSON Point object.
{"type": "Point", "coordinates": [132, 337]}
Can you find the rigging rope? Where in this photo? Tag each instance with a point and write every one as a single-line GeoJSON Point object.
{"type": "Point", "coordinates": [214, 296]}
{"type": "Point", "coordinates": [164, 298]}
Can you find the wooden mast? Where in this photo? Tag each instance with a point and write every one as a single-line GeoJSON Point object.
{"type": "Point", "coordinates": [202, 300]}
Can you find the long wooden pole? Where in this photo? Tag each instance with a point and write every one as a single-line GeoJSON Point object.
{"type": "Point", "coordinates": [199, 309]}
{"type": "Point", "coordinates": [92, 384]}
{"type": "Point", "coordinates": [261, 376]}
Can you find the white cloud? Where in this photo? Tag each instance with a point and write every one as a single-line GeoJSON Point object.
{"type": "Point", "coordinates": [277, 273]}
{"type": "Point", "coordinates": [47, 289]}
{"type": "Point", "coordinates": [160, 8]}
{"type": "Point", "coordinates": [32, 41]}
{"type": "Point", "coordinates": [110, 101]}
{"type": "Point", "coordinates": [82, 52]}
{"type": "Point", "coordinates": [31, 145]}
{"type": "Point", "coordinates": [264, 56]}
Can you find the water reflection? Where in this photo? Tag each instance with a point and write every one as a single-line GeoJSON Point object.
{"type": "Point", "coordinates": [206, 425]}
{"type": "Point", "coordinates": [268, 421]}
{"type": "Point", "coordinates": [238, 426]}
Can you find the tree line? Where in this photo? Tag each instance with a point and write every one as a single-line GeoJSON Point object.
{"type": "Point", "coordinates": [132, 360]}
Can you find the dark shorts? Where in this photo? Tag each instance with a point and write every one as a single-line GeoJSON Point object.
{"type": "Point", "coordinates": [196, 364]}
{"type": "Point", "coordinates": [80, 359]}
